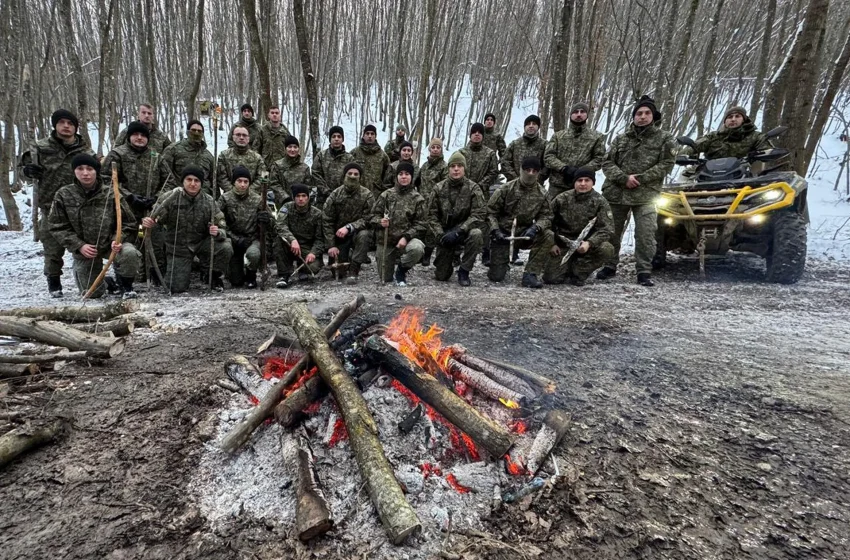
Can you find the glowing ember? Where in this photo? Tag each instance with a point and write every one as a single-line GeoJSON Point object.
{"type": "Point", "coordinates": [509, 404]}
{"type": "Point", "coordinates": [300, 381]}
{"type": "Point", "coordinates": [519, 427]}
{"type": "Point", "coordinates": [340, 433]}
{"type": "Point", "coordinates": [312, 408]}
{"type": "Point", "coordinates": [456, 485]}
{"type": "Point", "coordinates": [254, 400]}
{"type": "Point", "coordinates": [428, 469]}
{"type": "Point", "coordinates": [515, 469]}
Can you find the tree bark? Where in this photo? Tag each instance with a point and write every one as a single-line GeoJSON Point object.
{"type": "Point", "coordinates": [58, 334]}
{"type": "Point", "coordinates": [247, 376]}
{"type": "Point", "coordinates": [63, 355]}
{"type": "Point", "coordinates": [17, 73]}
{"type": "Point", "coordinates": [290, 411]}
{"type": "Point", "coordinates": [26, 438]}
{"type": "Point", "coordinates": [544, 383]}
{"type": "Point", "coordinates": [307, 68]}
{"type": "Point", "coordinates": [195, 85]}
{"type": "Point", "coordinates": [764, 58]}
{"type": "Point", "coordinates": [425, 76]}
{"type": "Point", "coordinates": [669, 96]}
{"type": "Point", "coordinates": [398, 517]}
{"type": "Point", "coordinates": [313, 516]}
{"type": "Point", "coordinates": [118, 327]}
{"type": "Point", "coordinates": [258, 53]}
{"type": "Point", "coordinates": [559, 76]}
{"type": "Point", "coordinates": [17, 369]}
{"type": "Point", "coordinates": [71, 314]}
{"type": "Point", "coordinates": [499, 375]}
{"type": "Point", "coordinates": [555, 426]}
{"type": "Point", "coordinates": [69, 32]}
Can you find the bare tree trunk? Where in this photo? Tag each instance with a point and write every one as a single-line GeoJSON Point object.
{"type": "Point", "coordinates": [249, 9]}
{"type": "Point", "coordinates": [559, 77]}
{"type": "Point", "coordinates": [681, 59]}
{"type": "Point", "coordinates": [764, 58]}
{"type": "Point", "coordinates": [707, 69]}
{"type": "Point", "coordinates": [307, 68]}
{"type": "Point", "coordinates": [775, 98]}
{"type": "Point", "coordinates": [666, 47]}
{"type": "Point", "coordinates": [106, 46]}
{"type": "Point", "coordinates": [425, 77]}
{"type": "Point", "coordinates": [70, 35]}
{"type": "Point", "coordinates": [195, 85]}
{"type": "Point", "coordinates": [14, 62]}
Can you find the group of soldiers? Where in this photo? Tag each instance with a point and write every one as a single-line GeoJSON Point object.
{"type": "Point", "coordinates": [222, 212]}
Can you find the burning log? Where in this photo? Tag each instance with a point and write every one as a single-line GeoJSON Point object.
{"type": "Point", "coordinates": [484, 384]}
{"type": "Point", "coordinates": [118, 327]}
{"type": "Point", "coordinates": [290, 411]}
{"type": "Point", "coordinates": [544, 383]}
{"type": "Point", "coordinates": [247, 376]}
{"type": "Point", "coordinates": [398, 517]}
{"type": "Point", "coordinates": [58, 334]}
{"type": "Point", "coordinates": [63, 355]}
{"type": "Point", "coordinates": [72, 314]}
{"type": "Point", "coordinates": [499, 375]}
{"type": "Point", "coordinates": [483, 431]}
{"type": "Point", "coordinates": [313, 516]}
{"type": "Point", "coordinates": [25, 438]}
{"type": "Point", "coordinates": [18, 370]}
{"type": "Point", "coordinates": [240, 434]}
{"type": "Point", "coordinates": [555, 425]}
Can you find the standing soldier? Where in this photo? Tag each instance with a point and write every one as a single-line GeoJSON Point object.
{"type": "Point", "coordinates": [635, 168]}
{"type": "Point", "coordinates": [239, 155]}
{"type": "Point", "coordinates": [457, 213]}
{"type": "Point", "coordinates": [572, 211]}
{"type": "Point", "coordinates": [83, 221]}
{"type": "Point", "coordinates": [243, 211]}
{"type": "Point", "coordinates": [577, 146]}
{"type": "Point", "coordinates": [190, 217]}
{"type": "Point", "coordinates": [482, 168]}
{"type": "Point", "coordinates": [400, 221]}
{"type": "Point", "coordinates": [346, 223]}
{"type": "Point", "coordinates": [372, 159]}
{"type": "Point", "coordinates": [300, 237]}
{"type": "Point", "coordinates": [247, 120]}
{"type": "Point", "coordinates": [520, 208]}
{"type": "Point", "coordinates": [289, 170]}
{"type": "Point", "coordinates": [49, 161]}
{"type": "Point", "coordinates": [493, 139]}
{"type": "Point", "coordinates": [393, 145]}
{"type": "Point", "coordinates": [189, 152]}
{"type": "Point", "coordinates": [530, 144]}
{"type": "Point", "coordinates": [432, 172]}
{"type": "Point", "coordinates": [328, 166]}
{"type": "Point", "coordinates": [270, 142]}
{"type": "Point", "coordinates": [158, 141]}
{"type": "Point", "coordinates": [406, 154]}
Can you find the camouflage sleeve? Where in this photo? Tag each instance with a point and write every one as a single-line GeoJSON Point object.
{"type": "Point", "coordinates": [259, 140]}
{"type": "Point", "coordinates": [492, 176]}
{"type": "Point", "coordinates": [543, 219]}
{"type": "Point", "coordinates": [106, 168]}
{"type": "Point", "coordinates": [495, 206]}
{"type": "Point", "coordinates": [219, 220]}
{"type": "Point", "coordinates": [318, 247]}
{"type": "Point", "coordinates": [162, 208]}
{"type": "Point", "coordinates": [378, 211]}
{"type": "Point", "coordinates": [500, 145]}
{"type": "Point", "coordinates": [362, 222]}
{"type": "Point", "coordinates": [121, 139]}
{"type": "Point", "coordinates": [166, 141]}
{"type": "Point", "coordinates": [388, 179]}
{"type": "Point", "coordinates": [701, 144]}
{"type": "Point", "coordinates": [419, 228]}
{"type": "Point", "coordinates": [129, 225]}
{"type": "Point", "coordinates": [329, 217]}
{"type": "Point", "coordinates": [550, 156]}
{"type": "Point", "coordinates": [317, 169]}
{"type": "Point", "coordinates": [276, 185]}
{"type": "Point", "coordinates": [609, 166]}
{"type": "Point", "coordinates": [654, 176]}
{"type": "Point", "coordinates": [477, 214]}
{"type": "Point", "coordinates": [223, 174]}
{"type": "Point", "coordinates": [603, 230]}
{"type": "Point", "coordinates": [319, 180]}
{"type": "Point", "coordinates": [507, 164]}
{"type": "Point", "coordinates": [761, 143]}
{"type": "Point", "coordinates": [281, 226]}
{"type": "Point", "coordinates": [60, 225]}
{"type": "Point", "coordinates": [598, 152]}
{"type": "Point", "coordinates": [167, 169]}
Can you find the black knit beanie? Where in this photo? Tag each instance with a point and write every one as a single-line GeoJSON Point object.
{"type": "Point", "coordinates": [299, 188]}
{"type": "Point", "coordinates": [194, 171]}
{"type": "Point", "coordinates": [531, 119]}
{"type": "Point", "coordinates": [85, 159]}
{"type": "Point", "coordinates": [477, 127]}
{"type": "Point", "coordinates": [647, 101]}
{"type": "Point", "coordinates": [336, 130]}
{"type": "Point", "coordinates": [137, 127]}
{"type": "Point", "coordinates": [404, 166]}
{"type": "Point", "coordinates": [584, 172]}
{"type": "Point", "coordinates": [290, 140]}
{"type": "Point", "coordinates": [240, 172]}
{"type": "Point", "coordinates": [530, 162]}
{"type": "Point", "coordinates": [59, 114]}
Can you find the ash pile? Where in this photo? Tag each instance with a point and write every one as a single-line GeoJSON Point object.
{"type": "Point", "coordinates": [377, 434]}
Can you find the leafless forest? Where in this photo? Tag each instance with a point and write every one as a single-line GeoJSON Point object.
{"type": "Point", "coordinates": [394, 61]}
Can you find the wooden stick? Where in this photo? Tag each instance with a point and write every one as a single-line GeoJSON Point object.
{"type": "Point", "coordinates": [313, 516]}
{"type": "Point", "coordinates": [240, 434]}
{"type": "Point", "coordinates": [247, 376]}
{"type": "Point", "coordinates": [41, 358]}
{"type": "Point", "coordinates": [494, 372]}
{"type": "Point", "coordinates": [58, 334]}
{"type": "Point", "coordinates": [18, 370]}
{"type": "Point", "coordinates": [398, 517]}
{"type": "Point", "coordinates": [71, 314]}
{"type": "Point", "coordinates": [535, 379]}
{"type": "Point", "coordinates": [483, 384]}
{"type": "Point", "coordinates": [139, 319]}
{"type": "Point", "coordinates": [118, 327]}
{"type": "Point", "coordinates": [25, 438]}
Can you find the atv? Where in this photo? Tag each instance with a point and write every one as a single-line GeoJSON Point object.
{"type": "Point", "coordinates": [749, 204]}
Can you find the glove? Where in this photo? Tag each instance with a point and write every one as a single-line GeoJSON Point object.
{"type": "Point", "coordinates": [149, 202]}
{"type": "Point", "coordinates": [242, 243]}
{"type": "Point", "coordinates": [264, 217]}
{"type": "Point", "coordinates": [531, 232]}
{"type": "Point", "coordinates": [136, 202]}
{"type": "Point", "coordinates": [450, 238]}
{"type": "Point", "coordinates": [497, 236]}
{"type": "Point", "coordinates": [567, 173]}
{"type": "Point", "coordinates": [33, 171]}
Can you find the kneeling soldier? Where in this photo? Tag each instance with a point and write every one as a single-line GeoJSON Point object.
{"type": "Point", "coordinates": [519, 207]}
{"type": "Point", "coordinates": [573, 210]}
{"type": "Point", "coordinates": [457, 214]}
{"type": "Point", "coordinates": [82, 219]}
{"type": "Point", "coordinates": [243, 211]}
{"type": "Point", "coordinates": [299, 237]}
{"type": "Point", "coordinates": [346, 223]}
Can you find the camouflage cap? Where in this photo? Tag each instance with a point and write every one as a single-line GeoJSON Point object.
{"type": "Point", "coordinates": [457, 158]}
{"type": "Point", "coordinates": [581, 105]}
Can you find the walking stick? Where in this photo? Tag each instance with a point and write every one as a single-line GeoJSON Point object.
{"type": "Point", "coordinates": [214, 118]}
{"type": "Point", "coordinates": [264, 207]}
{"type": "Point", "coordinates": [384, 254]}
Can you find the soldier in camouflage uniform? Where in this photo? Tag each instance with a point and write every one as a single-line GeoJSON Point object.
{"type": "Point", "coordinates": [270, 142]}
{"type": "Point", "coordinates": [372, 159]}
{"type": "Point", "coordinates": [393, 145]}
{"type": "Point", "coordinates": [290, 170]}
{"type": "Point", "coordinates": [53, 171]}
{"type": "Point", "coordinates": [577, 146]}
{"type": "Point", "coordinates": [530, 144]}
{"type": "Point", "coordinates": [243, 212]}
{"type": "Point", "coordinates": [240, 155]}
{"type": "Point", "coordinates": [737, 138]}
{"type": "Point", "coordinates": [83, 221]}
{"type": "Point", "coordinates": [491, 138]}
{"type": "Point", "coordinates": [432, 172]}
{"type": "Point", "coordinates": [635, 168]}
{"type": "Point", "coordinates": [482, 168]}
{"type": "Point", "coordinates": [406, 154]}
{"type": "Point", "coordinates": [192, 151]}
{"type": "Point", "coordinates": [572, 210]}
{"type": "Point", "coordinates": [345, 219]}
{"type": "Point", "coordinates": [190, 217]}
{"type": "Point", "coordinates": [400, 216]}
{"type": "Point", "coordinates": [300, 237]}
{"type": "Point", "coordinates": [158, 140]}
{"type": "Point", "coordinates": [525, 200]}
{"type": "Point", "coordinates": [328, 166]}
{"type": "Point", "coordinates": [248, 121]}
{"type": "Point", "coordinates": [457, 214]}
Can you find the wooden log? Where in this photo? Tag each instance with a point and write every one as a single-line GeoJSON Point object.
{"type": "Point", "coordinates": [25, 438]}
{"type": "Point", "coordinates": [499, 375]}
{"type": "Point", "coordinates": [398, 517]}
{"type": "Point", "coordinates": [484, 385]}
{"type": "Point", "coordinates": [484, 432]}
{"type": "Point", "coordinates": [118, 327]}
{"type": "Point", "coordinates": [18, 370]}
{"type": "Point", "coordinates": [41, 358]}
{"type": "Point", "coordinates": [59, 334]}
{"type": "Point", "coordinates": [240, 434]}
{"type": "Point", "coordinates": [75, 314]}
{"type": "Point", "coordinates": [247, 376]}
{"type": "Point", "coordinates": [290, 411]}
{"type": "Point", "coordinates": [139, 319]}
{"type": "Point", "coordinates": [313, 516]}
{"type": "Point", "coordinates": [544, 383]}
{"type": "Point", "coordinates": [555, 426]}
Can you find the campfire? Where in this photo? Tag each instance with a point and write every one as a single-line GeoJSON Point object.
{"type": "Point", "coordinates": [429, 424]}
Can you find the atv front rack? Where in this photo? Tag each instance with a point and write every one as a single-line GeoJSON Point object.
{"type": "Point", "coordinates": [727, 204]}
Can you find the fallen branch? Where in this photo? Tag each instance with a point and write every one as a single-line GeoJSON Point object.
{"type": "Point", "coordinates": [25, 438]}
{"type": "Point", "coordinates": [247, 376]}
{"type": "Point", "coordinates": [313, 516]}
{"type": "Point", "coordinates": [139, 319]}
{"type": "Point", "coordinates": [72, 314]}
{"type": "Point", "coordinates": [63, 355]}
{"type": "Point", "coordinates": [18, 370]}
{"type": "Point", "coordinates": [118, 327]}
{"type": "Point", "coordinates": [483, 384]}
{"type": "Point", "coordinates": [58, 334]}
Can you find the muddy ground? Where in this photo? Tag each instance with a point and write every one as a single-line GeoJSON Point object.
{"type": "Point", "coordinates": [711, 420]}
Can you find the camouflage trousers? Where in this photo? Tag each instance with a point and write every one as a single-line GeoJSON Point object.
{"type": "Point", "coordinates": [500, 256]}
{"type": "Point", "coordinates": [354, 248]}
{"type": "Point", "coordinates": [179, 263]}
{"type": "Point", "coordinates": [126, 265]}
{"type": "Point", "coordinates": [645, 217]}
{"type": "Point", "coordinates": [53, 251]}
{"type": "Point", "coordinates": [578, 266]}
{"type": "Point", "coordinates": [287, 261]}
{"type": "Point", "coordinates": [407, 257]}
{"type": "Point", "coordinates": [443, 262]}
{"type": "Point", "coordinates": [248, 258]}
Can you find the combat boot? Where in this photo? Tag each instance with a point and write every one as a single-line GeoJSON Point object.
{"type": "Point", "coordinates": [127, 286]}
{"type": "Point", "coordinates": [606, 273]}
{"type": "Point", "coordinates": [426, 256]}
{"type": "Point", "coordinates": [54, 286]}
{"type": "Point", "coordinates": [645, 279]}
{"type": "Point", "coordinates": [659, 261]}
{"type": "Point", "coordinates": [463, 278]}
{"type": "Point", "coordinates": [353, 273]}
{"type": "Point", "coordinates": [250, 279]}
{"type": "Point", "coordinates": [485, 256]}
{"type": "Point", "coordinates": [112, 287]}
{"type": "Point", "coordinates": [530, 280]}
{"type": "Point", "coordinates": [217, 281]}
{"type": "Point", "coordinates": [400, 275]}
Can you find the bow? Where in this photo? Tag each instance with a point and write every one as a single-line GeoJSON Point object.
{"type": "Point", "coordinates": [117, 196]}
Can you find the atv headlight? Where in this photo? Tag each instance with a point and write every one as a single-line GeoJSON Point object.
{"type": "Point", "coordinates": [663, 201]}
{"type": "Point", "coordinates": [771, 195]}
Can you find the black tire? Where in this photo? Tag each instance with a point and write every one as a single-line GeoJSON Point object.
{"type": "Point", "coordinates": [787, 257]}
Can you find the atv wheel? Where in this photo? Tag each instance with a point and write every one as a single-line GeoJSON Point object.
{"type": "Point", "coordinates": [787, 257]}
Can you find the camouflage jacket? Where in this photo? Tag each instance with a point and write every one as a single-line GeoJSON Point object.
{"type": "Point", "coordinates": [233, 157]}
{"type": "Point", "coordinates": [482, 167]}
{"type": "Point", "coordinates": [393, 147]}
{"type": "Point", "coordinates": [494, 141]}
{"type": "Point", "coordinates": [80, 217]}
{"type": "Point", "coordinates": [240, 213]}
{"type": "Point", "coordinates": [456, 205]}
{"type": "Point", "coordinates": [648, 154]}
{"type": "Point", "coordinates": [735, 142]}
{"type": "Point", "coordinates": [304, 225]}
{"type": "Point", "coordinates": [286, 172]}
{"type": "Point", "coordinates": [432, 172]}
{"type": "Point", "coordinates": [528, 205]}
{"type": "Point", "coordinates": [139, 172]}
{"type": "Point", "coordinates": [270, 143]}
{"type": "Point", "coordinates": [55, 157]}
{"type": "Point", "coordinates": [577, 146]}
{"type": "Point", "coordinates": [253, 130]}
{"type": "Point", "coordinates": [157, 141]}
{"type": "Point", "coordinates": [187, 220]}
{"type": "Point", "coordinates": [178, 156]}
{"type": "Point", "coordinates": [407, 213]}
{"type": "Point", "coordinates": [573, 211]}
{"type": "Point", "coordinates": [327, 170]}
{"type": "Point", "coordinates": [374, 162]}
{"type": "Point", "coordinates": [389, 176]}
{"type": "Point", "coordinates": [518, 150]}
{"type": "Point", "coordinates": [346, 207]}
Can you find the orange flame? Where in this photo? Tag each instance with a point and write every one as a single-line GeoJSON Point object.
{"type": "Point", "coordinates": [509, 403]}
{"type": "Point", "coordinates": [519, 427]}
{"type": "Point", "coordinates": [514, 468]}
{"type": "Point", "coordinates": [407, 330]}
